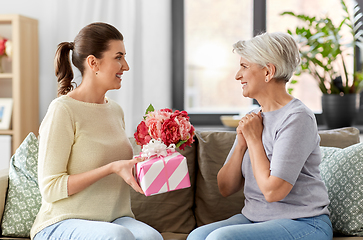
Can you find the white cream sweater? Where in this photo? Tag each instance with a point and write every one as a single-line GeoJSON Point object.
{"type": "Point", "coordinates": [76, 137]}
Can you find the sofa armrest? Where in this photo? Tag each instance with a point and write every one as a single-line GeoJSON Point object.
{"type": "Point", "coordinates": [4, 175]}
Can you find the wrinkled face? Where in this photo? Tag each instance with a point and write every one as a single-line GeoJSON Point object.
{"type": "Point", "coordinates": [112, 65]}
{"type": "Point", "coordinates": [252, 77]}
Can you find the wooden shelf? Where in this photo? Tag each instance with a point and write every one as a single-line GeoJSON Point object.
{"type": "Point", "coordinates": [6, 75]}
{"type": "Point", "coordinates": [20, 80]}
{"type": "Point", "coordinates": [6, 132]}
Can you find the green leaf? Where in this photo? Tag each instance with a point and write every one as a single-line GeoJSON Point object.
{"type": "Point", "coordinates": [180, 143]}
{"type": "Point", "coordinates": [150, 108]}
{"type": "Point", "coordinates": [289, 90]}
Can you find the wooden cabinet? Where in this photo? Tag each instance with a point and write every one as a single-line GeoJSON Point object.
{"type": "Point", "coordinates": [19, 80]}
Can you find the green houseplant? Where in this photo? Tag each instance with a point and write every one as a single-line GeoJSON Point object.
{"type": "Point", "coordinates": [323, 51]}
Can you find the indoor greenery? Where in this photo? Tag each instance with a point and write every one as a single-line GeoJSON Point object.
{"type": "Point", "coordinates": [323, 49]}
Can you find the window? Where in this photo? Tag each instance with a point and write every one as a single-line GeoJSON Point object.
{"type": "Point", "coordinates": [210, 64]}
{"type": "Point", "coordinates": [204, 66]}
{"type": "Point", "coordinates": [306, 89]}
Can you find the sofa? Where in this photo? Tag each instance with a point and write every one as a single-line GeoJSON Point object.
{"type": "Point", "coordinates": [178, 212]}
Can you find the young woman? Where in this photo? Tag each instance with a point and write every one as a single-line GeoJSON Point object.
{"type": "Point", "coordinates": [276, 154]}
{"type": "Point", "coordinates": [85, 158]}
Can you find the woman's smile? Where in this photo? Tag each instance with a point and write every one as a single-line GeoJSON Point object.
{"type": "Point", "coordinates": [118, 75]}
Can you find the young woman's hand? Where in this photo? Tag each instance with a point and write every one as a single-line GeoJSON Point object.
{"type": "Point", "coordinates": [124, 168]}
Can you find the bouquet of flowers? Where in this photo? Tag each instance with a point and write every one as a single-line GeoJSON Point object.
{"type": "Point", "coordinates": [159, 134]}
{"type": "Point", "coordinates": [166, 126]}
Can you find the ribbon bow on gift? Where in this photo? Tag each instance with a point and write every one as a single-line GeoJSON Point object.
{"type": "Point", "coordinates": [156, 148]}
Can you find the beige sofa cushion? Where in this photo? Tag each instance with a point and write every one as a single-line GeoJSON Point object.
{"type": "Point", "coordinates": [210, 205]}
{"type": "Point", "coordinates": [171, 211]}
{"type": "Point", "coordinates": [341, 138]}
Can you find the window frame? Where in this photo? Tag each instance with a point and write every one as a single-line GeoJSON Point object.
{"type": "Point", "coordinates": [178, 63]}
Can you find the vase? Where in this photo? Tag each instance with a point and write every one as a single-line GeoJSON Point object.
{"type": "Point", "coordinates": [340, 110]}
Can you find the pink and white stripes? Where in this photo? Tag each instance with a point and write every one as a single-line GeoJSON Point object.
{"type": "Point", "coordinates": [163, 174]}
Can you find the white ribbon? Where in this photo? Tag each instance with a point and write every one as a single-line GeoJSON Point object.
{"type": "Point", "coordinates": [156, 148]}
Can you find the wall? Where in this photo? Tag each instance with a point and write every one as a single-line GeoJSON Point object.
{"type": "Point", "coordinates": [146, 27]}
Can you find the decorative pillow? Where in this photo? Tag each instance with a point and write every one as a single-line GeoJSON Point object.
{"type": "Point", "coordinates": [23, 197]}
{"type": "Point", "coordinates": [342, 172]}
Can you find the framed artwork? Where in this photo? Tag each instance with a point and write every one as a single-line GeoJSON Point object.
{"type": "Point", "coordinates": [6, 109]}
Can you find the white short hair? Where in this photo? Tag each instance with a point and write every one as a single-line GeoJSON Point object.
{"type": "Point", "coordinates": [279, 49]}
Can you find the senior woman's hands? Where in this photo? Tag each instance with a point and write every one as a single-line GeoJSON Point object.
{"type": "Point", "coordinates": [250, 127]}
{"type": "Point", "coordinates": [229, 178]}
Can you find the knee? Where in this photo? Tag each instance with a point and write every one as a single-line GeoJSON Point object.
{"type": "Point", "coordinates": [149, 234]}
{"type": "Point", "coordinates": [201, 234]}
{"type": "Point", "coordinates": [217, 234]}
{"type": "Point", "coordinates": [198, 234]}
{"type": "Point", "coordinates": [119, 232]}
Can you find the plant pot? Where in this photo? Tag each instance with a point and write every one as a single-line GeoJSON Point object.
{"type": "Point", "coordinates": [340, 110]}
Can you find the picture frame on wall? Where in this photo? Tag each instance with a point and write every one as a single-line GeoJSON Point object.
{"type": "Point", "coordinates": [6, 110]}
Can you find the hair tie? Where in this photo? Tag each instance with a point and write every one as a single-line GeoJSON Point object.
{"type": "Point", "coordinates": [71, 45]}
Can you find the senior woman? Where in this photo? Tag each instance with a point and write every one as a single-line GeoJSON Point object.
{"type": "Point", "coordinates": [276, 154]}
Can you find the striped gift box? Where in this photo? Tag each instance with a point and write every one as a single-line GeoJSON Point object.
{"type": "Point", "coordinates": [163, 174]}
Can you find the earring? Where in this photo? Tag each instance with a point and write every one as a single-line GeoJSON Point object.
{"type": "Point", "coordinates": [96, 73]}
{"type": "Point", "coordinates": [266, 80]}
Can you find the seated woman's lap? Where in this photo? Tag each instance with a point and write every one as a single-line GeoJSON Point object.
{"type": "Point", "coordinates": [124, 228]}
{"type": "Point", "coordinates": [239, 227]}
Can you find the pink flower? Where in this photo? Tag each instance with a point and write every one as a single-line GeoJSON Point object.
{"type": "Point", "coordinates": [2, 45]}
{"type": "Point", "coordinates": [170, 132]}
{"type": "Point", "coordinates": [159, 115]}
{"type": "Point", "coordinates": [184, 127]}
{"type": "Point", "coordinates": [183, 122]}
{"type": "Point", "coordinates": [164, 114]}
{"type": "Point", "coordinates": [166, 110]}
{"type": "Point", "coordinates": [142, 135]}
{"type": "Point", "coordinates": [190, 139]}
{"type": "Point", "coordinates": [178, 113]}
{"type": "Point", "coordinates": [154, 127]}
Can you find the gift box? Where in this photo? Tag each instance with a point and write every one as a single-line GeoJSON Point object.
{"type": "Point", "coordinates": [162, 174]}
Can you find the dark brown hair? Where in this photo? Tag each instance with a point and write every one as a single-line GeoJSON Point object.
{"type": "Point", "coordinates": [94, 40]}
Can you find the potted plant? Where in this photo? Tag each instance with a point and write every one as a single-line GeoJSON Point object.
{"type": "Point", "coordinates": [323, 50]}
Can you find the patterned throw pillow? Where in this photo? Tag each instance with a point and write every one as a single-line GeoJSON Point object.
{"type": "Point", "coordinates": [23, 198]}
{"type": "Point", "coordinates": [342, 172]}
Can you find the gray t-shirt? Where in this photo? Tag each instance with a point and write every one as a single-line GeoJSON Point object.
{"type": "Point", "coordinates": [291, 141]}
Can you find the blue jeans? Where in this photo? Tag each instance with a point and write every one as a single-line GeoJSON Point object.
{"type": "Point", "coordinates": [239, 227]}
{"type": "Point", "coordinates": [124, 228]}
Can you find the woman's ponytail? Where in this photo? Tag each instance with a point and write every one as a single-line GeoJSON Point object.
{"type": "Point", "coordinates": [63, 68]}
